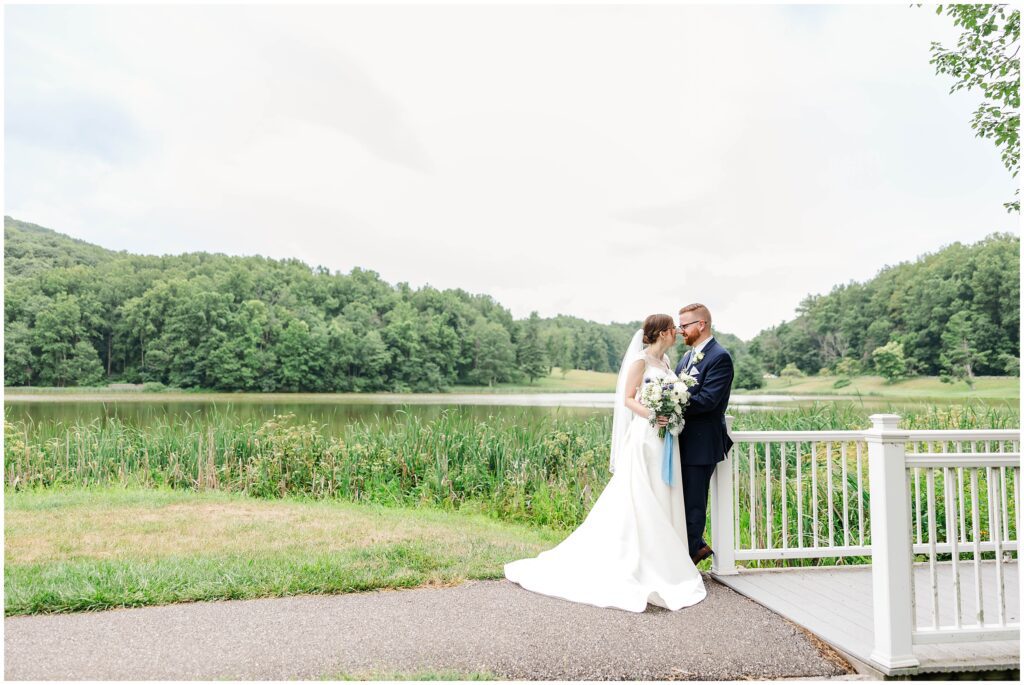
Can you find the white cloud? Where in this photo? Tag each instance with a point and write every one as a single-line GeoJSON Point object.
{"type": "Point", "coordinates": [601, 161]}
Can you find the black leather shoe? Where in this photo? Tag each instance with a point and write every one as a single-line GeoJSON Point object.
{"type": "Point", "coordinates": [702, 554]}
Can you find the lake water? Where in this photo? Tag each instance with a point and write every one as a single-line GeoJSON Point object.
{"type": "Point", "coordinates": [141, 409]}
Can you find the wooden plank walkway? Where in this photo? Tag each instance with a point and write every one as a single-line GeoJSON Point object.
{"type": "Point", "coordinates": [835, 603]}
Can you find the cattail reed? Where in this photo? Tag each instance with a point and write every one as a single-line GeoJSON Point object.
{"type": "Point", "coordinates": [541, 469]}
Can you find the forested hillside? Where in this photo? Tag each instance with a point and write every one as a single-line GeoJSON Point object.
{"type": "Point", "coordinates": [77, 314]}
{"type": "Point", "coordinates": [955, 312]}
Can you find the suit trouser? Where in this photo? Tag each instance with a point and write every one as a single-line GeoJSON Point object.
{"type": "Point", "coordinates": [696, 483]}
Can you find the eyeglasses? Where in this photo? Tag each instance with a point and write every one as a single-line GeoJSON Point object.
{"type": "Point", "coordinates": [682, 327]}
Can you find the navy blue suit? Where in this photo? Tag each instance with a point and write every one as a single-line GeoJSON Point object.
{"type": "Point", "coordinates": [705, 440]}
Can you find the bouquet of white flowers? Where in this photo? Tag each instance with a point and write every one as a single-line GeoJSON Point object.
{"type": "Point", "coordinates": [667, 398]}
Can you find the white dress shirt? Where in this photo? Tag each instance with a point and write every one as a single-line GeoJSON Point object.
{"type": "Point", "coordinates": [704, 344]}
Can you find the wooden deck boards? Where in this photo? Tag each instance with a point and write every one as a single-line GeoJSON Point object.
{"type": "Point", "coordinates": [835, 603]}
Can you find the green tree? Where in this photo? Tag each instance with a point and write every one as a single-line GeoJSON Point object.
{"type": "Point", "coordinates": [237, 358]}
{"type": "Point", "coordinates": [19, 360]}
{"type": "Point", "coordinates": [370, 357]}
{"type": "Point", "coordinates": [593, 350]}
{"type": "Point", "coordinates": [340, 356]}
{"type": "Point", "coordinates": [767, 349]}
{"type": "Point", "coordinates": [82, 366]}
{"type": "Point", "coordinates": [531, 357]}
{"type": "Point", "coordinates": [494, 357]}
{"type": "Point", "coordinates": [252, 346]}
{"type": "Point", "coordinates": [410, 368]}
{"type": "Point", "coordinates": [1010, 363]}
{"type": "Point", "coordinates": [961, 353]}
{"type": "Point", "coordinates": [134, 328]}
{"type": "Point", "coordinates": [559, 349]}
{"type": "Point", "coordinates": [441, 346]}
{"type": "Point", "coordinates": [985, 58]}
{"type": "Point", "coordinates": [293, 356]}
{"type": "Point", "coordinates": [749, 374]}
{"type": "Point", "coordinates": [57, 331]}
{"type": "Point", "coordinates": [890, 361]}
{"type": "Point", "coordinates": [371, 361]}
{"type": "Point", "coordinates": [222, 365]}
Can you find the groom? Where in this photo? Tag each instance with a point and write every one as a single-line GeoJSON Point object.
{"type": "Point", "coordinates": [704, 441]}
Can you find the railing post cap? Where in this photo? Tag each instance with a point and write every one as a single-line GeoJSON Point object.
{"type": "Point", "coordinates": [885, 421]}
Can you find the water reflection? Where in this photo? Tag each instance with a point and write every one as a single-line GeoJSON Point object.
{"type": "Point", "coordinates": [336, 411]}
{"type": "Point", "coordinates": [335, 416]}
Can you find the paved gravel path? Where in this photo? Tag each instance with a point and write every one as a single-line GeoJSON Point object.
{"type": "Point", "coordinates": [492, 627]}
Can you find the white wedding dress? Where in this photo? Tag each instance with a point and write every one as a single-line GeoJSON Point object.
{"type": "Point", "coordinates": [631, 550]}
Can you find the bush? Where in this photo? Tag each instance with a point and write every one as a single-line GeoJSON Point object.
{"type": "Point", "coordinates": [841, 383]}
{"type": "Point", "coordinates": [848, 367]}
{"type": "Point", "coordinates": [890, 361]}
{"type": "Point", "coordinates": [153, 386]}
{"type": "Point", "coordinates": [791, 371]}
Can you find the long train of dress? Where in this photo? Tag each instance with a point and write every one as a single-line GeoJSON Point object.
{"type": "Point", "coordinates": [632, 548]}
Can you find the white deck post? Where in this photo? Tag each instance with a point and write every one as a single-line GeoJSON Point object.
{"type": "Point", "coordinates": [723, 563]}
{"type": "Point", "coordinates": [891, 564]}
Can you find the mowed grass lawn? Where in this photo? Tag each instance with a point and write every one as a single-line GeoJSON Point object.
{"type": "Point", "coordinates": [576, 380]}
{"type": "Point", "coordinates": [985, 387]}
{"type": "Point", "coordinates": [91, 549]}
{"type": "Point", "coordinates": [921, 387]}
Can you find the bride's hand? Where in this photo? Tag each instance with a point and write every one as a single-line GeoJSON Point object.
{"type": "Point", "coordinates": [662, 421]}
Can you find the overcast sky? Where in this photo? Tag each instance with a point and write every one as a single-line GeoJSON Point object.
{"type": "Point", "coordinates": [600, 161]}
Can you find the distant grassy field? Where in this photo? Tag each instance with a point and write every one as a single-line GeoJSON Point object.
{"type": "Point", "coordinates": [986, 387]}
{"type": "Point", "coordinates": [99, 548]}
{"type": "Point", "coordinates": [574, 381]}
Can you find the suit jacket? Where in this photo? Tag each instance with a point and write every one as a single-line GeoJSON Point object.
{"type": "Point", "coordinates": [705, 439]}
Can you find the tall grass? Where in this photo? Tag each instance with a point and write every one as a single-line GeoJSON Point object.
{"type": "Point", "coordinates": [852, 416]}
{"type": "Point", "coordinates": [545, 470]}
{"type": "Point", "coordinates": [540, 470]}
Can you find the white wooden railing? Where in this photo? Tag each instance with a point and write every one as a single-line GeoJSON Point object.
{"type": "Point", "coordinates": [882, 496]}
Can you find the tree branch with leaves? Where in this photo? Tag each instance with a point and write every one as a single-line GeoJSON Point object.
{"type": "Point", "coordinates": [986, 58]}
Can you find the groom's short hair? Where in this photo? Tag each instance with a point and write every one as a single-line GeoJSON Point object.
{"type": "Point", "coordinates": [701, 310]}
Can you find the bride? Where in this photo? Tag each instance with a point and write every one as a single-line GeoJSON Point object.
{"type": "Point", "coordinates": [632, 548]}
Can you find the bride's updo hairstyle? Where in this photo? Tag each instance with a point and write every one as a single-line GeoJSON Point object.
{"type": "Point", "coordinates": [655, 325]}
